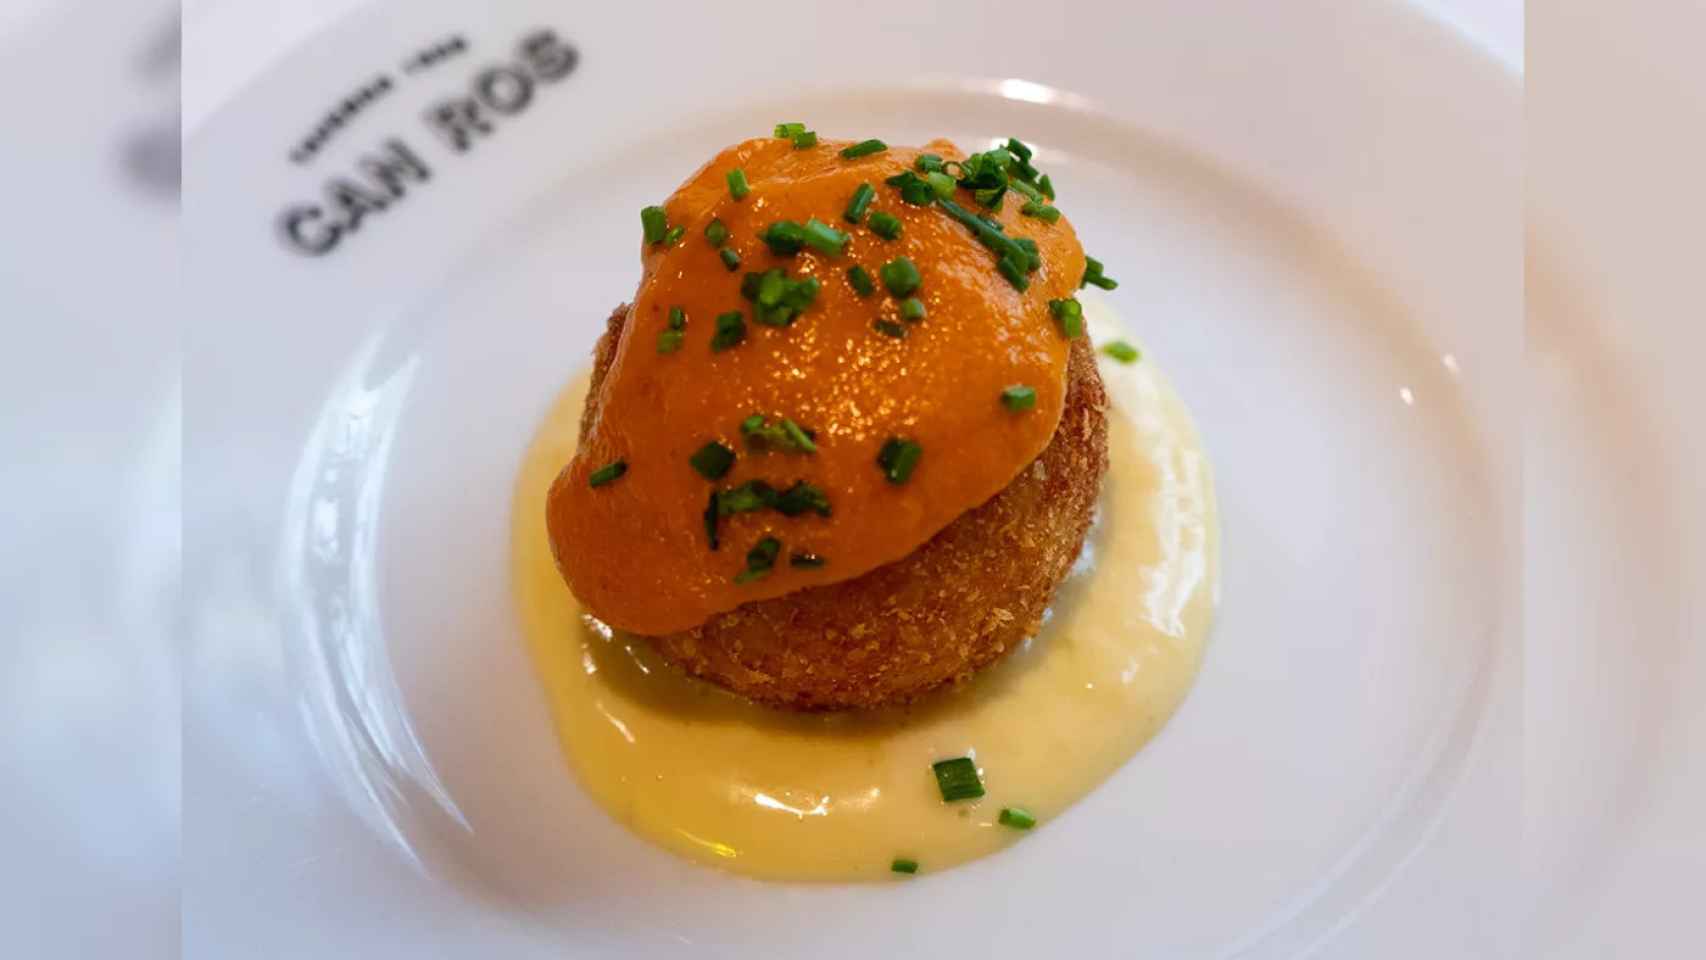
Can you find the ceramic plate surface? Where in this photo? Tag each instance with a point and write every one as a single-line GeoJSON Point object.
{"type": "Point", "coordinates": [1317, 222]}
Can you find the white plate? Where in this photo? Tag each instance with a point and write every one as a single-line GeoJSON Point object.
{"type": "Point", "coordinates": [1316, 220]}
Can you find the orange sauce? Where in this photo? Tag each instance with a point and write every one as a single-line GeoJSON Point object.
{"type": "Point", "coordinates": [635, 551]}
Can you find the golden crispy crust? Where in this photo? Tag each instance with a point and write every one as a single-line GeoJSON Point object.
{"type": "Point", "coordinates": [955, 605]}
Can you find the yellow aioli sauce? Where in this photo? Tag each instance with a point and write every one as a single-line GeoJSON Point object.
{"type": "Point", "coordinates": [835, 797]}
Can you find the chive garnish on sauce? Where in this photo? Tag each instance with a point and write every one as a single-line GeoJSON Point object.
{"type": "Point", "coordinates": [927, 163]}
{"type": "Point", "coordinates": [912, 309]}
{"type": "Point", "coordinates": [711, 516]}
{"type": "Point", "coordinates": [1122, 351]}
{"type": "Point", "coordinates": [608, 473]}
{"type": "Point", "coordinates": [760, 560]}
{"type": "Point", "coordinates": [903, 865]}
{"type": "Point", "coordinates": [716, 233]}
{"type": "Point", "coordinates": [654, 223]}
{"type": "Point", "coordinates": [1041, 211]}
{"type": "Point", "coordinates": [861, 280]}
{"type": "Point", "coordinates": [788, 131]}
{"type": "Point", "coordinates": [889, 328]}
{"type": "Point", "coordinates": [824, 238]}
{"type": "Point", "coordinates": [749, 496]}
{"type": "Point", "coordinates": [861, 201]}
{"type": "Point", "coordinates": [885, 225]}
{"type": "Point", "coordinates": [917, 192]}
{"type": "Point", "coordinates": [900, 276]}
{"type": "Point", "coordinates": [731, 330]}
{"type": "Point", "coordinates": [801, 498]}
{"type": "Point", "coordinates": [898, 458]}
{"type": "Point", "coordinates": [673, 235]}
{"type": "Point", "coordinates": [1069, 313]}
{"type": "Point", "coordinates": [738, 187]}
{"type": "Point", "coordinates": [1047, 187]}
{"type": "Point", "coordinates": [957, 779]}
{"type": "Point", "coordinates": [863, 148]}
{"type": "Point", "coordinates": [941, 183]}
{"type": "Point", "coordinates": [776, 299]}
{"type": "Point", "coordinates": [784, 436]}
{"type": "Point", "coordinates": [670, 340]}
{"type": "Point", "coordinates": [784, 237]}
{"type": "Point", "coordinates": [1016, 817]}
{"type": "Point", "coordinates": [1093, 275]}
{"type": "Point", "coordinates": [712, 460]}
{"type": "Point", "coordinates": [1018, 398]}
{"type": "Point", "coordinates": [731, 259]}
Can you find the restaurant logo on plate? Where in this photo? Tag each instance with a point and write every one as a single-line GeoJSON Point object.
{"type": "Point", "coordinates": [383, 175]}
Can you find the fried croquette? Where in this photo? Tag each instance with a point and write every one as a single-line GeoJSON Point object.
{"type": "Point", "coordinates": [958, 603]}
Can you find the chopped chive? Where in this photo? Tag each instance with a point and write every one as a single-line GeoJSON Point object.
{"type": "Point", "coordinates": [1014, 272]}
{"type": "Point", "coordinates": [1047, 187]}
{"type": "Point", "coordinates": [990, 198]}
{"type": "Point", "coordinates": [776, 299]}
{"type": "Point", "coordinates": [797, 436]}
{"type": "Point", "coordinates": [1030, 192]}
{"type": "Point", "coordinates": [824, 238]}
{"type": "Point", "coordinates": [805, 140]}
{"type": "Point", "coordinates": [928, 163]}
{"type": "Point", "coordinates": [784, 435]}
{"type": "Point", "coordinates": [788, 131]}
{"type": "Point", "coordinates": [670, 341]}
{"type": "Point", "coordinates": [806, 561]}
{"type": "Point", "coordinates": [731, 330]}
{"type": "Point", "coordinates": [749, 496]}
{"type": "Point", "coordinates": [677, 318]}
{"type": "Point", "coordinates": [1070, 314]}
{"type": "Point", "coordinates": [759, 560]}
{"type": "Point", "coordinates": [738, 187]}
{"type": "Point", "coordinates": [1018, 398]}
{"type": "Point", "coordinates": [861, 201]}
{"type": "Point", "coordinates": [654, 223]}
{"type": "Point", "coordinates": [889, 328]}
{"type": "Point", "coordinates": [1016, 817]}
{"type": "Point", "coordinates": [784, 237]}
{"type": "Point", "coordinates": [900, 276]}
{"type": "Point", "coordinates": [861, 280]}
{"type": "Point", "coordinates": [716, 232]}
{"type": "Point", "coordinates": [674, 234]}
{"type": "Point", "coordinates": [917, 192]}
{"type": "Point", "coordinates": [957, 779]}
{"type": "Point", "coordinates": [711, 515]}
{"type": "Point", "coordinates": [1014, 258]}
{"type": "Point", "coordinates": [607, 473]}
{"type": "Point", "coordinates": [941, 183]}
{"type": "Point", "coordinates": [863, 148]}
{"type": "Point", "coordinates": [898, 458]}
{"type": "Point", "coordinates": [1033, 258]}
{"type": "Point", "coordinates": [1093, 275]}
{"type": "Point", "coordinates": [903, 865]}
{"type": "Point", "coordinates": [1043, 212]}
{"type": "Point", "coordinates": [730, 258]}
{"type": "Point", "coordinates": [912, 309]}
{"type": "Point", "coordinates": [1122, 351]}
{"type": "Point", "coordinates": [1018, 149]}
{"type": "Point", "coordinates": [800, 498]}
{"type": "Point", "coordinates": [712, 460]}
{"type": "Point", "coordinates": [885, 225]}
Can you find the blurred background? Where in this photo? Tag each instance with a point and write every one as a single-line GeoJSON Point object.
{"type": "Point", "coordinates": [91, 404]}
{"type": "Point", "coordinates": [89, 478]}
